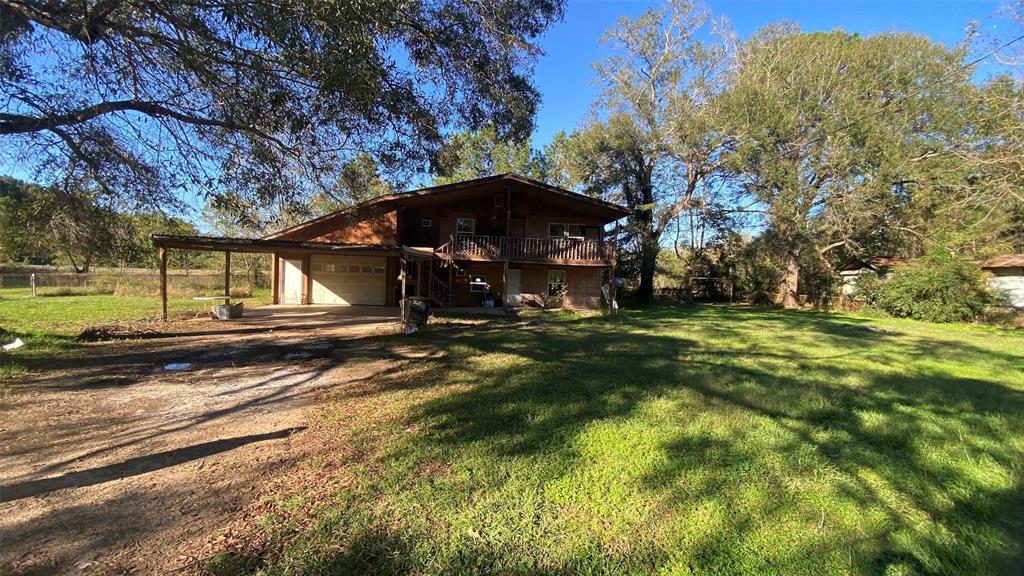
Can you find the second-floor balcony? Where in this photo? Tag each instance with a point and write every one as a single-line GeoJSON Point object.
{"type": "Point", "coordinates": [562, 250]}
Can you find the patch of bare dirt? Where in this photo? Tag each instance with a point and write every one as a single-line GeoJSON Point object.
{"type": "Point", "coordinates": [112, 462]}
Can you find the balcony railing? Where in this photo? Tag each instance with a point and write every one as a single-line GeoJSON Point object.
{"type": "Point", "coordinates": [534, 249]}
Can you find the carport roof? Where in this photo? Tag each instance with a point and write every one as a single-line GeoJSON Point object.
{"type": "Point", "coordinates": [257, 245]}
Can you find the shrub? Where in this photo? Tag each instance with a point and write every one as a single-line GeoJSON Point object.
{"type": "Point", "coordinates": [936, 288]}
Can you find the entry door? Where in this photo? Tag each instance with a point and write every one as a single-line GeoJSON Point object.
{"type": "Point", "coordinates": [291, 292]}
{"type": "Point", "coordinates": [514, 279]}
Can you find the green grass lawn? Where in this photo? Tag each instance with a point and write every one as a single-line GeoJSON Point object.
{"type": "Point", "coordinates": [49, 324]}
{"type": "Point", "coordinates": [710, 440]}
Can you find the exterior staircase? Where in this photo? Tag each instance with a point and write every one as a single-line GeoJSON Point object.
{"type": "Point", "coordinates": [440, 292]}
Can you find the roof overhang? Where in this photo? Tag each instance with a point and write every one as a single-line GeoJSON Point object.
{"type": "Point", "coordinates": [606, 211]}
{"type": "Point", "coordinates": [1004, 261]}
{"type": "Point", "coordinates": [260, 245]}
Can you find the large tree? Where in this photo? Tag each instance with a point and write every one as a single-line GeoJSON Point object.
{"type": "Point", "coordinates": [469, 155]}
{"type": "Point", "coordinates": [654, 143]}
{"type": "Point", "coordinates": [836, 132]}
{"type": "Point", "coordinates": [155, 100]}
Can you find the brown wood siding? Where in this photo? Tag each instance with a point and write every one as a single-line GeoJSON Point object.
{"type": "Point", "coordinates": [461, 293]}
{"type": "Point", "coordinates": [377, 226]}
{"type": "Point", "coordinates": [583, 285]}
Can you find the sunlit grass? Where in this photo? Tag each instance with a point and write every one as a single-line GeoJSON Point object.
{"type": "Point", "coordinates": [49, 324]}
{"type": "Point", "coordinates": [712, 440]}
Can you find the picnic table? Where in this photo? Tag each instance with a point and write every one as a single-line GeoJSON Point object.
{"type": "Point", "coordinates": [213, 309]}
{"type": "Point", "coordinates": [226, 299]}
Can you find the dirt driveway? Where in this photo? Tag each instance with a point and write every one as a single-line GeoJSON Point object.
{"type": "Point", "coordinates": [112, 462]}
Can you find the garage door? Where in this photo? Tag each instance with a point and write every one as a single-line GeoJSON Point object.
{"type": "Point", "coordinates": [347, 279]}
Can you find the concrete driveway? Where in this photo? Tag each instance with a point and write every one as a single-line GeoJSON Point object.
{"type": "Point", "coordinates": [355, 319]}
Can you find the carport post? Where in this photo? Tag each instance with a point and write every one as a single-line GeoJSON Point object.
{"type": "Point", "coordinates": [227, 274]}
{"type": "Point", "coordinates": [163, 282]}
{"type": "Point", "coordinates": [401, 277]}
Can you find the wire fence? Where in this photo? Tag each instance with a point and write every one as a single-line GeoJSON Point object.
{"type": "Point", "coordinates": [179, 284]}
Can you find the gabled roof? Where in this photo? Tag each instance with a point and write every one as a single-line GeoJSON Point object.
{"type": "Point", "coordinates": [613, 211]}
{"type": "Point", "coordinates": [1004, 261]}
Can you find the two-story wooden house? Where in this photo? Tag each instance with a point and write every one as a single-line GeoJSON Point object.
{"type": "Point", "coordinates": [504, 240]}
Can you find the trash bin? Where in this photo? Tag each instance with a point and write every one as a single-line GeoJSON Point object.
{"type": "Point", "coordinates": [228, 311]}
{"type": "Point", "coordinates": [416, 308]}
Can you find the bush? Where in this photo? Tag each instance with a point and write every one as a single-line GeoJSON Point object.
{"type": "Point", "coordinates": [936, 288]}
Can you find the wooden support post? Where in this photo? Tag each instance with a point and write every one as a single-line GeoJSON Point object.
{"type": "Point", "coordinates": [307, 280]}
{"type": "Point", "coordinates": [275, 278]}
{"type": "Point", "coordinates": [227, 274]}
{"type": "Point", "coordinates": [430, 279]}
{"type": "Point", "coordinates": [163, 282]}
{"type": "Point", "coordinates": [451, 283]}
{"type": "Point", "coordinates": [401, 279]}
{"type": "Point", "coordinates": [508, 234]}
{"type": "Point", "coordinates": [504, 286]}
{"type": "Point", "coordinates": [419, 277]}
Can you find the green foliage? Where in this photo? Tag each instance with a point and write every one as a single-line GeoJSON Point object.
{"type": "Point", "coordinates": [819, 147]}
{"type": "Point", "coordinates": [45, 225]}
{"type": "Point", "coordinates": [936, 288]}
{"type": "Point", "coordinates": [470, 155]}
{"type": "Point", "coordinates": [653, 143]}
{"type": "Point", "coordinates": [265, 99]}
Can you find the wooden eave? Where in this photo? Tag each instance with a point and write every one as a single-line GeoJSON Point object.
{"type": "Point", "coordinates": [263, 245]}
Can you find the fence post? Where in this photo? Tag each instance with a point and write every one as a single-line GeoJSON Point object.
{"type": "Point", "coordinates": [32, 282]}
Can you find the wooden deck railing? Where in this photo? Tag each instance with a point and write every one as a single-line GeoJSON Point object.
{"type": "Point", "coordinates": [536, 249]}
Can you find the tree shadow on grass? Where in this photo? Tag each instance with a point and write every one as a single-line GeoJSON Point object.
{"type": "Point", "coordinates": [930, 456]}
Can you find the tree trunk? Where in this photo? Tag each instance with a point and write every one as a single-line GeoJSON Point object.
{"type": "Point", "coordinates": [790, 277]}
{"type": "Point", "coordinates": [648, 264]}
{"type": "Point", "coordinates": [649, 238]}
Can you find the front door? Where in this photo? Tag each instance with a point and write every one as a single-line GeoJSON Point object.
{"type": "Point", "coordinates": [514, 279]}
{"type": "Point", "coordinates": [291, 292]}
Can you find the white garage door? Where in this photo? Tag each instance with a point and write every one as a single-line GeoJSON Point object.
{"type": "Point", "coordinates": [347, 279]}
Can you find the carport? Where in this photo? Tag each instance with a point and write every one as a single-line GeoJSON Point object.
{"type": "Point", "coordinates": [299, 254]}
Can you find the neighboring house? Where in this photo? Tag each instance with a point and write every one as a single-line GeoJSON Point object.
{"type": "Point", "coordinates": [1007, 276]}
{"type": "Point", "coordinates": [504, 240]}
{"type": "Point", "coordinates": [853, 268]}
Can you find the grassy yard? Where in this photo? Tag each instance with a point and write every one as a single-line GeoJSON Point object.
{"type": "Point", "coordinates": [49, 324]}
{"type": "Point", "coordinates": [712, 440]}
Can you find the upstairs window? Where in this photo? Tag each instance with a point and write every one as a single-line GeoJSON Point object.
{"type": "Point", "coordinates": [465, 226]}
{"type": "Point", "coordinates": [426, 222]}
{"type": "Point", "coordinates": [556, 230]}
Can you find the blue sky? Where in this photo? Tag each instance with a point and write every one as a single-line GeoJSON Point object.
{"type": "Point", "coordinates": [565, 75]}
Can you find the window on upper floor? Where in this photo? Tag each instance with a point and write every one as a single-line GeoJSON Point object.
{"type": "Point", "coordinates": [557, 230]}
{"type": "Point", "coordinates": [465, 226]}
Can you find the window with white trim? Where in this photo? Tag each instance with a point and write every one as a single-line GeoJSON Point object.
{"type": "Point", "coordinates": [574, 231]}
{"type": "Point", "coordinates": [465, 226]}
{"type": "Point", "coordinates": [556, 282]}
{"type": "Point", "coordinates": [556, 230]}
{"type": "Point", "coordinates": [426, 222]}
